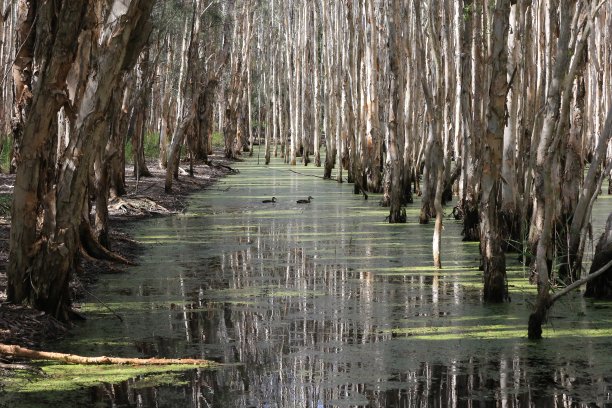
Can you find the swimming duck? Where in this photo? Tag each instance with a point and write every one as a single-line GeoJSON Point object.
{"type": "Point", "coordinates": [273, 200]}
{"type": "Point", "coordinates": [305, 201]}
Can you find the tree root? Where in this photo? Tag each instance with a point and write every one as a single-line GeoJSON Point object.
{"type": "Point", "coordinates": [22, 352]}
{"type": "Point", "coordinates": [136, 206]}
{"type": "Point", "coordinates": [95, 250]}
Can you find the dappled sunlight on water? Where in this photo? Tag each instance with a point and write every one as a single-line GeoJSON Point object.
{"type": "Point", "coordinates": [325, 304]}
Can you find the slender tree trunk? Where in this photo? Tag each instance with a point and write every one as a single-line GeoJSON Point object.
{"type": "Point", "coordinates": [491, 236]}
{"type": "Point", "coordinates": [543, 177]}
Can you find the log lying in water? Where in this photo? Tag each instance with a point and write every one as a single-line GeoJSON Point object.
{"type": "Point", "coordinates": [23, 352]}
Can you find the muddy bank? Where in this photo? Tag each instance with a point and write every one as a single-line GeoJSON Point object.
{"type": "Point", "coordinates": [145, 198]}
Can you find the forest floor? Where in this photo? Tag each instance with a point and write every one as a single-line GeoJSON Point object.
{"type": "Point", "coordinates": [145, 198]}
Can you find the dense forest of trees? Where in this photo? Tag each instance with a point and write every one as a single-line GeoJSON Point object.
{"type": "Point", "coordinates": [503, 104]}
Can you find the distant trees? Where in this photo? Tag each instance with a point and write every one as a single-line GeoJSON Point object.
{"type": "Point", "coordinates": [501, 104]}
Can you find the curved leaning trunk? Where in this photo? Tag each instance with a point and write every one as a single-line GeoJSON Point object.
{"type": "Point", "coordinates": [173, 155]}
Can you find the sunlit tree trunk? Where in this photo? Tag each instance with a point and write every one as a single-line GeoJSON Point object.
{"type": "Point", "coordinates": [22, 75]}
{"type": "Point", "coordinates": [316, 80]}
{"type": "Point", "coordinates": [43, 259]}
{"type": "Point", "coordinates": [491, 236]}
{"type": "Point", "coordinates": [471, 139]}
{"type": "Point", "coordinates": [545, 209]}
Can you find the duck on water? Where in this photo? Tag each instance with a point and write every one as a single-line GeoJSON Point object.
{"type": "Point", "coordinates": [273, 200]}
{"type": "Point", "coordinates": [305, 201]}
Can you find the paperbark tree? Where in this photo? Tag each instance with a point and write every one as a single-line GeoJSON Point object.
{"type": "Point", "coordinates": [42, 259]}
{"type": "Point", "coordinates": [544, 212]}
{"type": "Point", "coordinates": [395, 137]}
{"type": "Point", "coordinates": [492, 255]}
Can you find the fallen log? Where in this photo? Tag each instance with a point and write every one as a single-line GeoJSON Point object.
{"type": "Point", "coordinates": [22, 352]}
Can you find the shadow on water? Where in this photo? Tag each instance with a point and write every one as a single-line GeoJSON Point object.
{"type": "Point", "coordinates": [326, 305]}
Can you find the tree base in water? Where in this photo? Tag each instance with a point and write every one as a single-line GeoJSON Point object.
{"type": "Point", "coordinates": [601, 287]}
{"type": "Point", "coordinates": [534, 330]}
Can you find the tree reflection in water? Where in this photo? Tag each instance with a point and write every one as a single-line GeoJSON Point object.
{"type": "Point", "coordinates": [318, 335]}
{"type": "Point", "coordinates": [328, 306]}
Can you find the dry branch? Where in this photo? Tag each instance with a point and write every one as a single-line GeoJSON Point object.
{"type": "Point", "coordinates": [17, 351]}
{"type": "Point", "coordinates": [579, 283]}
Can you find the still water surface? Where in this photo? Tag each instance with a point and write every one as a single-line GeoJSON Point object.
{"type": "Point", "coordinates": [327, 305]}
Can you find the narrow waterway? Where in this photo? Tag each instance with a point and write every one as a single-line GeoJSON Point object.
{"type": "Point", "coordinates": [327, 305]}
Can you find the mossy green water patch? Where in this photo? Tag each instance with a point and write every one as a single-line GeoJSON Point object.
{"type": "Point", "coordinates": [329, 295]}
{"type": "Point", "coordinates": [69, 385]}
{"type": "Point", "coordinates": [233, 295]}
{"type": "Point", "coordinates": [293, 293]}
{"type": "Point", "coordinates": [457, 330]}
{"type": "Point", "coordinates": [173, 379]}
{"type": "Point", "coordinates": [70, 377]}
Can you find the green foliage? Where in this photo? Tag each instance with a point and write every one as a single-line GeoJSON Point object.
{"type": "Point", "coordinates": [217, 139]}
{"type": "Point", "coordinates": [6, 201]}
{"type": "Point", "coordinates": [5, 154]}
{"type": "Point", "coordinates": [151, 147]}
{"type": "Point", "coordinates": [468, 9]}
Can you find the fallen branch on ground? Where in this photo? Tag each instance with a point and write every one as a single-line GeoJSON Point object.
{"type": "Point", "coordinates": [23, 352]}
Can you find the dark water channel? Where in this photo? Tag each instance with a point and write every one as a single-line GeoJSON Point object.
{"type": "Point", "coordinates": [327, 305]}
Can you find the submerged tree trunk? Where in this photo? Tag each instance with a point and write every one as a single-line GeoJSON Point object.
{"type": "Point", "coordinates": [22, 352]}
{"type": "Point", "coordinates": [394, 160]}
{"type": "Point", "coordinates": [544, 208]}
{"type": "Point", "coordinates": [471, 138]}
{"type": "Point", "coordinates": [491, 235]}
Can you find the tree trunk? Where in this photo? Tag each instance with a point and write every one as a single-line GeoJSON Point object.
{"type": "Point", "coordinates": [471, 138]}
{"type": "Point", "coordinates": [491, 236]}
{"type": "Point", "coordinates": [545, 209]}
{"type": "Point", "coordinates": [22, 352]}
{"type": "Point", "coordinates": [206, 101]}
{"type": "Point", "coordinates": [601, 287]}
{"type": "Point", "coordinates": [173, 154]}
{"type": "Point", "coordinates": [28, 280]}
{"type": "Point", "coordinates": [41, 263]}
{"type": "Point", "coordinates": [394, 160]}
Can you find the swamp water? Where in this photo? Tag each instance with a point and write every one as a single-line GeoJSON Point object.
{"type": "Point", "coordinates": [322, 305]}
